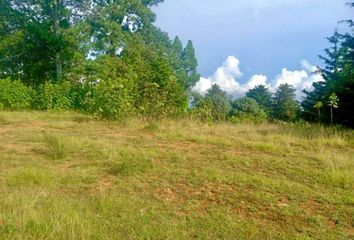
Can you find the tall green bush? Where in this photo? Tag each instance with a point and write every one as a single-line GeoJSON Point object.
{"type": "Point", "coordinates": [158, 101]}
{"type": "Point", "coordinates": [215, 106]}
{"type": "Point", "coordinates": [247, 109]}
{"type": "Point", "coordinates": [50, 96]}
{"type": "Point", "coordinates": [14, 95]}
{"type": "Point", "coordinates": [111, 99]}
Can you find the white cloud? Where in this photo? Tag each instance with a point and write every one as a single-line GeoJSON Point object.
{"type": "Point", "coordinates": [307, 66]}
{"type": "Point", "coordinates": [300, 80]}
{"type": "Point", "coordinates": [256, 80]}
{"type": "Point", "coordinates": [226, 77]}
{"type": "Point", "coordinates": [203, 85]}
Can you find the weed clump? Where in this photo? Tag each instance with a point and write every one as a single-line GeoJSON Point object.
{"type": "Point", "coordinates": [152, 127]}
{"type": "Point", "coordinates": [129, 163]}
{"type": "Point", "coordinates": [56, 147]}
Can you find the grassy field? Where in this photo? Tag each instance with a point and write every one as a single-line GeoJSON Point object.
{"type": "Point", "coordinates": [67, 176]}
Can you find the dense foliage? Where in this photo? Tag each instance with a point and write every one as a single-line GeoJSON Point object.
{"type": "Point", "coordinates": [101, 57]}
{"type": "Point", "coordinates": [14, 95]}
{"type": "Point", "coordinates": [258, 106]}
{"type": "Point", "coordinates": [339, 80]}
{"type": "Point", "coordinates": [262, 96]}
{"type": "Point", "coordinates": [286, 107]}
{"type": "Point", "coordinates": [247, 109]}
{"type": "Point", "coordinates": [107, 58]}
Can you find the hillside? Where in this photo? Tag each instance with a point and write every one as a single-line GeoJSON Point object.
{"type": "Point", "coordinates": [68, 176]}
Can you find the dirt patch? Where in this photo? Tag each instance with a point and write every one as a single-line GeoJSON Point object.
{"type": "Point", "coordinates": [65, 166]}
{"type": "Point", "coordinates": [102, 185]}
{"type": "Point", "coordinates": [207, 194]}
{"type": "Point", "coordinates": [17, 148]}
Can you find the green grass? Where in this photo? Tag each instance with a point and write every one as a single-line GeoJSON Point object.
{"type": "Point", "coordinates": [67, 176]}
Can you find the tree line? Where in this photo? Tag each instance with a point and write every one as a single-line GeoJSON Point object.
{"type": "Point", "coordinates": [259, 105]}
{"type": "Point", "coordinates": [104, 57]}
{"type": "Point", "coordinates": [107, 58]}
{"type": "Point", "coordinates": [329, 101]}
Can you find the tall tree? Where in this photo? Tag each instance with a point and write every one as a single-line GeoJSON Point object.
{"type": "Point", "coordinates": [177, 47]}
{"type": "Point", "coordinates": [263, 97]}
{"type": "Point", "coordinates": [339, 78]}
{"type": "Point", "coordinates": [216, 103]}
{"type": "Point", "coordinates": [330, 73]}
{"type": "Point", "coordinates": [42, 30]}
{"type": "Point", "coordinates": [190, 63]}
{"type": "Point", "coordinates": [286, 108]}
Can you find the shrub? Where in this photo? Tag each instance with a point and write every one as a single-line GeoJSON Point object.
{"type": "Point", "coordinates": [242, 117]}
{"type": "Point", "coordinates": [78, 94]}
{"type": "Point", "coordinates": [157, 101]}
{"type": "Point", "coordinates": [203, 110]}
{"type": "Point", "coordinates": [247, 109]}
{"type": "Point", "coordinates": [215, 106]}
{"type": "Point", "coordinates": [175, 97]}
{"type": "Point", "coordinates": [51, 96]}
{"type": "Point", "coordinates": [110, 99]}
{"type": "Point", "coordinates": [14, 95]}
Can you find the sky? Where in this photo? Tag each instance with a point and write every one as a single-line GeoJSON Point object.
{"type": "Point", "coordinates": [242, 43]}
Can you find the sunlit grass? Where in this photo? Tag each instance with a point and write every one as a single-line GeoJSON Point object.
{"type": "Point", "coordinates": [68, 176]}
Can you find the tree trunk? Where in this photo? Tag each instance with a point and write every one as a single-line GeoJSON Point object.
{"type": "Point", "coordinates": [331, 114]}
{"type": "Point", "coordinates": [58, 62]}
{"type": "Point", "coordinates": [319, 115]}
{"type": "Point", "coordinates": [59, 67]}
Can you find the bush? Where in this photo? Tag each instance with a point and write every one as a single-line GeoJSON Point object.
{"type": "Point", "coordinates": [247, 109]}
{"type": "Point", "coordinates": [242, 117]}
{"type": "Point", "coordinates": [215, 106]}
{"type": "Point", "coordinates": [203, 111]}
{"type": "Point", "coordinates": [157, 101]}
{"type": "Point", "coordinates": [51, 96]}
{"type": "Point", "coordinates": [14, 95]}
{"type": "Point", "coordinates": [78, 94]}
{"type": "Point", "coordinates": [110, 100]}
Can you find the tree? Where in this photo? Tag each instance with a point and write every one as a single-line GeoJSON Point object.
{"type": "Point", "coordinates": [322, 90]}
{"type": "Point", "coordinates": [318, 105]}
{"type": "Point", "coordinates": [263, 97]}
{"type": "Point", "coordinates": [152, 2]}
{"type": "Point", "coordinates": [248, 109]}
{"type": "Point", "coordinates": [216, 104]}
{"type": "Point", "coordinates": [109, 51]}
{"type": "Point", "coordinates": [338, 74]}
{"type": "Point", "coordinates": [189, 64]}
{"type": "Point", "coordinates": [40, 34]}
{"type": "Point", "coordinates": [286, 108]}
{"type": "Point", "coordinates": [333, 102]}
{"type": "Point", "coordinates": [177, 47]}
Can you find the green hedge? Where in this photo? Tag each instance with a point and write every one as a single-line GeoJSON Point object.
{"type": "Point", "coordinates": [14, 95]}
{"type": "Point", "coordinates": [109, 99]}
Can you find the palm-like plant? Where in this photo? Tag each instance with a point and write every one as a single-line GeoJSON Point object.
{"type": "Point", "coordinates": [318, 105]}
{"type": "Point", "coordinates": [333, 102]}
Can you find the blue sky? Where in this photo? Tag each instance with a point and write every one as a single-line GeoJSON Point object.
{"type": "Point", "coordinates": [265, 36]}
